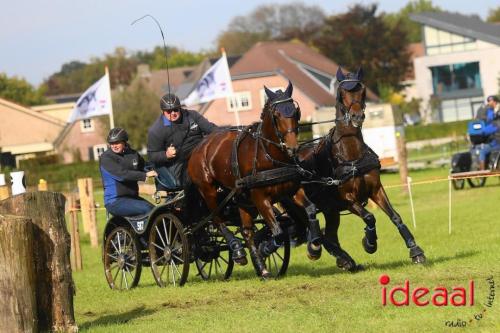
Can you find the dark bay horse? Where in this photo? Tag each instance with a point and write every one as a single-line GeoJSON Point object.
{"type": "Point", "coordinates": [225, 157]}
{"type": "Point", "coordinates": [343, 155]}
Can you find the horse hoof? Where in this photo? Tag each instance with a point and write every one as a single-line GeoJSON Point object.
{"type": "Point", "coordinates": [265, 274]}
{"type": "Point", "coordinates": [419, 259]}
{"type": "Point", "coordinates": [346, 264]}
{"type": "Point", "coordinates": [241, 261]}
{"type": "Point", "coordinates": [313, 251]}
{"type": "Point", "coordinates": [369, 248]}
{"type": "Point", "coordinates": [240, 257]}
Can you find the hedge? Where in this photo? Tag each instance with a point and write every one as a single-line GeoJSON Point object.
{"type": "Point", "coordinates": [434, 131]}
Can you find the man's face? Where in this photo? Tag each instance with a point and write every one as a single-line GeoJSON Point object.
{"type": "Point", "coordinates": [117, 147]}
{"type": "Point", "coordinates": [172, 115]}
{"type": "Point", "coordinates": [491, 102]}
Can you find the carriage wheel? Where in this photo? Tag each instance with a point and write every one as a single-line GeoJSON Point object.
{"type": "Point", "coordinates": [216, 261]}
{"type": "Point", "coordinates": [168, 251]}
{"type": "Point", "coordinates": [458, 184]}
{"type": "Point", "coordinates": [122, 256]}
{"type": "Point", "coordinates": [277, 262]}
{"type": "Point", "coordinates": [476, 182]}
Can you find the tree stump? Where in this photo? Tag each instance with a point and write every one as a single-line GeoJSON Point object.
{"type": "Point", "coordinates": [18, 312]}
{"type": "Point", "coordinates": [54, 283]}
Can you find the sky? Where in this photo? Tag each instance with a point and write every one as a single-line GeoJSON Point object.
{"type": "Point", "coordinates": [38, 36]}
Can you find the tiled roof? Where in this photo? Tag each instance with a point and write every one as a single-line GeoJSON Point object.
{"type": "Point", "coordinates": [470, 26]}
{"type": "Point", "coordinates": [291, 59]}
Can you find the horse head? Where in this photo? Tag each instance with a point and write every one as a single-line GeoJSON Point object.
{"type": "Point", "coordinates": [351, 95]}
{"type": "Point", "coordinates": [283, 113]}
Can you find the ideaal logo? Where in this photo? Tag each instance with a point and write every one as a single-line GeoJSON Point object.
{"type": "Point", "coordinates": [438, 296]}
{"type": "Point", "coordinates": [422, 296]}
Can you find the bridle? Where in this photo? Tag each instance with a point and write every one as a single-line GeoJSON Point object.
{"type": "Point", "coordinates": [272, 107]}
{"type": "Point", "coordinates": [347, 117]}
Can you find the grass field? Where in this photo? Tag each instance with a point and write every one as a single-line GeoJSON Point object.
{"type": "Point", "coordinates": [317, 296]}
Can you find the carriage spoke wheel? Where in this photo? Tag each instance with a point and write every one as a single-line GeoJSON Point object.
{"type": "Point", "coordinates": [168, 251]}
{"type": "Point", "coordinates": [219, 265]}
{"type": "Point", "coordinates": [122, 265]}
{"type": "Point", "coordinates": [476, 182]}
{"type": "Point", "coordinates": [277, 262]}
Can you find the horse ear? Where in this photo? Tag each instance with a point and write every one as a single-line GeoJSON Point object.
{"type": "Point", "coordinates": [340, 75]}
{"type": "Point", "coordinates": [289, 89]}
{"type": "Point", "coordinates": [359, 73]}
{"type": "Point", "coordinates": [270, 94]}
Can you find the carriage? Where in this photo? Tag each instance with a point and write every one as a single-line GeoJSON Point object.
{"type": "Point", "coordinates": [469, 160]}
{"type": "Point", "coordinates": [169, 243]}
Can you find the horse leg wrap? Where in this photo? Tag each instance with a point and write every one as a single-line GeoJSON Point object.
{"type": "Point", "coordinates": [333, 249]}
{"type": "Point", "coordinates": [269, 246]}
{"type": "Point", "coordinates": [314, 232]}
{"type": "Point", "coordinates": [407, 236]}
{"type": "Point", "coordinates": [235, 245]}
{"type": "Point", "coordinates": [276, 229]}
{"type": "Point", "coordinates": [370, 230]}
{"type": "Point", "coordinates": [259, 263]}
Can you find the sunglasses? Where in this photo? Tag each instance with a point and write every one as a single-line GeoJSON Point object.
{"type": "Point", "coordinates": [170, 111]}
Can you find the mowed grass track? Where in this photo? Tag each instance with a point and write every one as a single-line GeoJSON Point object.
{"type": "Point", "coordinates": [317, 296]}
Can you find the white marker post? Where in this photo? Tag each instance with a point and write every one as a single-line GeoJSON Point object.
{"type": "Point", "coordinates": [408, 182]}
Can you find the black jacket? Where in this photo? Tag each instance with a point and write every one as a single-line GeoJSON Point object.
{"type": "Point", "coordinates": [184, 135]}
{"type": "Point", "coordinates": [120, 174]}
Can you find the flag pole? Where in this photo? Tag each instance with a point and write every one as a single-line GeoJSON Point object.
{"type": "Point", "coordinates": [111, 118]}
{"type": "Point", "coordinates": [236, 114]}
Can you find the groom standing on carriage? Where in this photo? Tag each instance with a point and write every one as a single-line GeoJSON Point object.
{"type": "Point", "coordinates": [171, 139]}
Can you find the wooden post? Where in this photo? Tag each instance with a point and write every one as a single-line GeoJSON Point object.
{"type": "Point", "coordinates": [4, 189]}
{"type": "Point", "coordinates": [76, 255]}
{"type": "Point", "coordinates": [42, 185]}
{"type": "Point", "coordinates": [402, 157]}
{"type": "Point", "coordinates": [54, 283]}
{"type": "Point", "coordinates": [86, 191]}
{"type": "Point", "coordinates": [84, 203]}
{"type": "Point", "coordinates": [18, 312]}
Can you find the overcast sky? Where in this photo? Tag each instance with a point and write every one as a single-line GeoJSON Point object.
{"type": "Point", "coordinates": [38, 36]}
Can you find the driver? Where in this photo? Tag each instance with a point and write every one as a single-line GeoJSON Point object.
{"type": "Point", "coordinates": [121, 168]}
{"type": "Point", "coordinates": [171, 139]}
{"type": "Point", "coordinates": [492, 129]}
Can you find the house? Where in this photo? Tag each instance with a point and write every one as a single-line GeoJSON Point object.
{"type": "Point", "coordinates": [273, 64]}
{"type": "Point", "coordinates": [461, 65]}
{"type": "Point", "coordinates": [25, 133]}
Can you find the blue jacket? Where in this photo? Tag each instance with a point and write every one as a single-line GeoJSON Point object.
{"type": "Point", "coordinates": [492, 127]}
{"type": "Point", "coordinates": [120, 174]}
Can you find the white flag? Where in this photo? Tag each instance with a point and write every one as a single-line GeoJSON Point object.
{"type": "Point", "coordinates": [215, 83]}
{"type": "Point", "coordinates": [95, 101]}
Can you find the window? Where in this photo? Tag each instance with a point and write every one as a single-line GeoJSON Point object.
{"type": "Point", "coordinates": [98, 150]}
{"type": "Point", "coordinates": [440, 41]}
{"type": "Point", "coordinates": [455, 77]}
{"type": "Point", "coordinates": [239, 101]}
{"type": "Point", "coordinates": [263, 96]}
{"type": "Point", "coordinates": [86, 125]}
{"type": "Point", "coordinates": [459, 108]}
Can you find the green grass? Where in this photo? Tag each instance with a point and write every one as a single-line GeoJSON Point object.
{"type": "Point", "coordinates": [317, 296]}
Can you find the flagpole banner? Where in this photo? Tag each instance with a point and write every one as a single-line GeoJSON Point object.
{"type": "Point", "coordinates": [95, 101]}
{"type": "Point", "coordinates": [215, 83]}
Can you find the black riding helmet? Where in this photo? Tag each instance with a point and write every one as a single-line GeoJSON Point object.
{"type": "Point", "coordinates": [169, 102]}
{"type": "Point", "coordinates": [117, 134]}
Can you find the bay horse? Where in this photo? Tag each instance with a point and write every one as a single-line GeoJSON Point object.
{"type": "Point", "coordinates": [226, 157]}
{"type": "Point", "coordinates": [344, 156]}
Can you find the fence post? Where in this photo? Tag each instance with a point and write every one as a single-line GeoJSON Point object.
{"type": "Point", "coordinates": [17, 276]}
{"type": "Point", "coordinates": [84, 203]}
{"type": "Point", "coordinates": [4, 189]}
{"type": "Point", "coordinates": [87, 204]}
{"type": "Point", "coordinates": [76, 256]}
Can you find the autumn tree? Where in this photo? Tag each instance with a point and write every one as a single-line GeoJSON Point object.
{"type": "Point", "coordinates": [272, 22]}
{"type": "Point", "coordinates": [493, 15]}
{"type": "Point", "coordinates": [402, 18]}
{"type": "Point", "coordinates": [135, 109]}
{"type": "Point", "coordinates": [359, 37]}
{"type": "Point", "coordinates": [20, 91]}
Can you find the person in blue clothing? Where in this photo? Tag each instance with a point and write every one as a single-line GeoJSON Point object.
{"type": "Point", "coordinates": [492, 129]}
{"type": "Point", "coordinates": [121, 168]}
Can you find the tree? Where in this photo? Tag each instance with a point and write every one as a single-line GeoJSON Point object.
{"type": "Point", "coordinates": [20, 91]}
{"type": "Point", "coordinates": [135, 109]}
{"type": "Point", "coordinates": [272, 22]}
{"type": "Point", "coordinates": [360, 38]}
{"type": "Point", "coordinates": [493, 15]}
{"type": "Point", "coordinates": [403, 16]}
